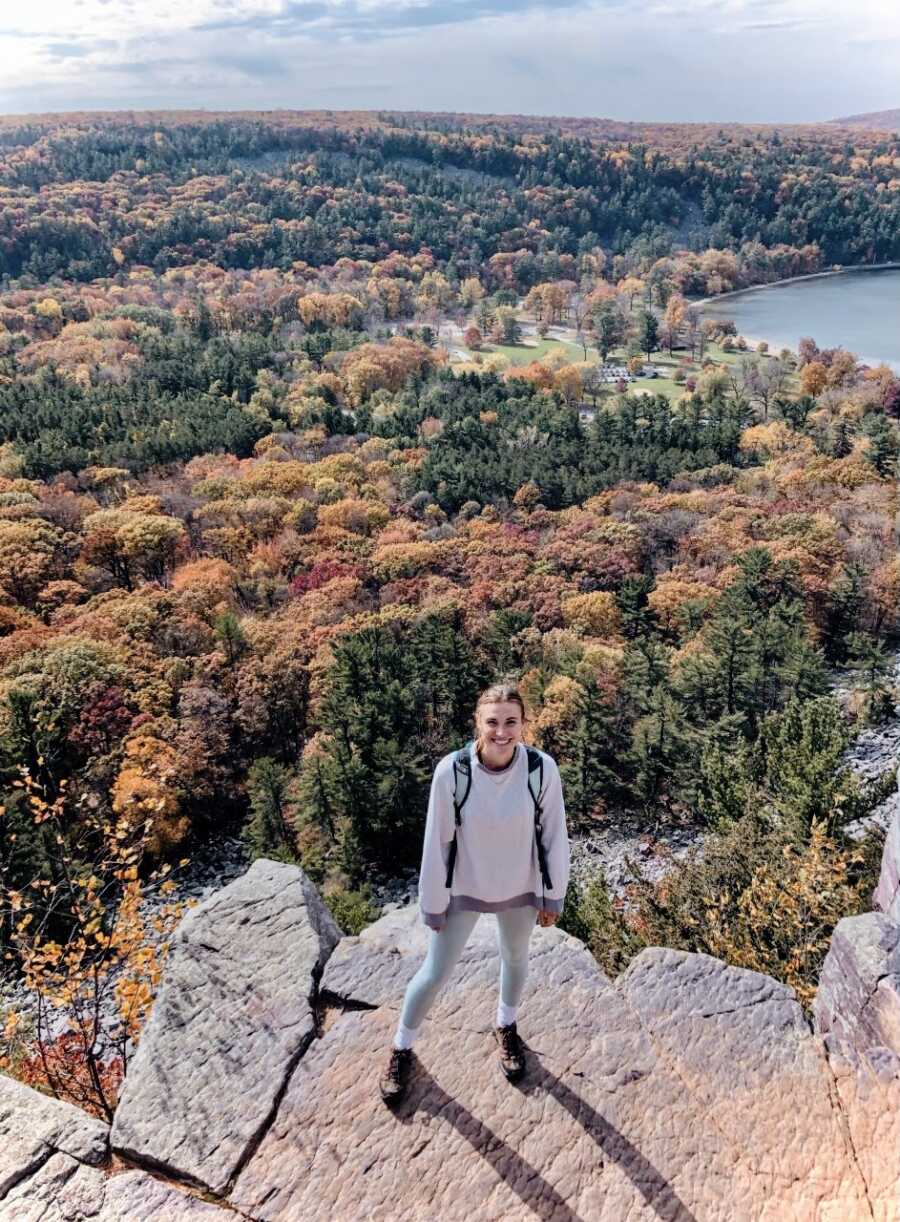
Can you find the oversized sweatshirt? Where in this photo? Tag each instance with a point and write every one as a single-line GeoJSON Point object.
{"type": "Point", "coordinates": [496, 851]}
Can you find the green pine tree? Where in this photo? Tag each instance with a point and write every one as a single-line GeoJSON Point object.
{"type": "Point", "coordinates": [268, 831]}
{"type": "Point", "coordinates": [803, 748]}
{"type": "Point", "coordinates": [231, 636]}
{"type": "Point", "coordinates": [648, 332]}
{"type": "Point", "coordinates": [590, 753]}
{"type": "Point", "coordinates": [396, 698]}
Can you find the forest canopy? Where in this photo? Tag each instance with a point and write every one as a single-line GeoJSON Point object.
{"type": "Point", "coordinates": [278, 498]}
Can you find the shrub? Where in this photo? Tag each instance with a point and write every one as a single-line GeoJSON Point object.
{"type": "Point", "coordinates": [761, 897]}
{"type": "Point", "coordinates": [589, 914]}
{"type": "Point", "coordinates": [353, 910]}
{"type": "Point", "coordinates": [82, 940]}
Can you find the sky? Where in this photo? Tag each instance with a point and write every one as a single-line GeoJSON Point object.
{"type": "Point", "coordinates": [763, 61]}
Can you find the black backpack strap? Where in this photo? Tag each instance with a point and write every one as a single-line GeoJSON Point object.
{"type": "Point", "coordinates": [536, 769]}
{"type": "Point", "coordinates": [462, 767]}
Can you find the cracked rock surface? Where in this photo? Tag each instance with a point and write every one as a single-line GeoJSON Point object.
{"type": "Point", "coordinates": [858, 997]}
{"type": "Point", "coordinates": [34, 1128]}
{"type": "Point", "coordinates": [231, 1019]}
{"type": "Point", "coordinates": [686, 1090]}
{"type": "Point", "coordinates": [52, 1158]}
{"type": "Point", "coordinates": [64, 1190]}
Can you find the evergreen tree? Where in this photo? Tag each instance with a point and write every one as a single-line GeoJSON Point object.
{"type": "Point", "coordinates": [497, 641]}
{"type": "Point", "coordinates": [648, 332]}
{"type": "Point", "coordinates": [268, 832]}
{"type": "Point", "coordinates": [724, 787]}
{"type": "Point", "coordinates": [231, 636]}
{"type": "Point", "coordinates": [846, 607]}
{"type": "Point", "coordinates": [659, 749]}
{"type": "Point", "coordinates": [609, 332]}
{"type": "Point", "coordinates": [631, 599]}
{"type": "Point", "coordinates": [397, 697]}
{"type": "Point", "coordinates": [803, 748]}
{"type": "Point", "coordinates": [874, 665]}
{"type": "Point", "coordinates": [841, 443]}
{"type": "Point", "coordinates": [590, 753]}
{"type": "Point", "coordinates": [870, 659]}
{"type": "Point", "coordinates": [883, 445]}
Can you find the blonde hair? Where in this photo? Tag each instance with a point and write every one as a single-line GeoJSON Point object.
{"type": "Point", "coordinates": [498, 693]}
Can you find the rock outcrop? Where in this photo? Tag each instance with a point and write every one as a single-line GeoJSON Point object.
{"type": "Point", "coordinates": [686, 1089]}
{"type": "Point", "coordinates": [53, 1167]}
{"type": "Point", "coordinates": [887, 894]}
{"type": "Point", "coordinates": [858, 999]}
{"type": "Point", "coordinates": [233, 1017]}
{"type": "Point", "coordinates": [859, 987]}
{"type": "Point", "coordinates": [34, 1129]}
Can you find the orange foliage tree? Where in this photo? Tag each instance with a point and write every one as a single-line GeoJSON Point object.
{"type": "Point", "coordinates": [87, 948]}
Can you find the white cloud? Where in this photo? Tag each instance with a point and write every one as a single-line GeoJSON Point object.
{"type": "Point", "coordinates": [690, 60]}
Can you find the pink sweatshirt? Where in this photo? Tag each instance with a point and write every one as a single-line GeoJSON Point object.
{"type": "Point", "coordinates": [496, 855]}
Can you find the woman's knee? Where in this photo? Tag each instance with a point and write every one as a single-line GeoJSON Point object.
{"type": "Point", "coordinates": [433, 976]}
{"type": "Point", "coordinates": [517, 962]}
{"type": "Point", "coordinates": [514, 952]}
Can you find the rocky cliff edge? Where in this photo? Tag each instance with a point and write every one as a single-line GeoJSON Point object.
{"type": "Point", "coordinates": [684, 1090]}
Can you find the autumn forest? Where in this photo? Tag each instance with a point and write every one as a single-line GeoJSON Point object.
{"type": "Point", "coordinates": [278, 498]}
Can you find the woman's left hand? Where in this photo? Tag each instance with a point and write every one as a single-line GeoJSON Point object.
{"type": "Point", "coordinates": [546, 918]}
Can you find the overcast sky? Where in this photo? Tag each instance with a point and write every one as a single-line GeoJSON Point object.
{"type": "Point", "coordinates": [676, 60]}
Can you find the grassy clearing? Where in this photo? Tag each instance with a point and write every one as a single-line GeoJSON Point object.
{"type": "Point", "coordinates": [535, 349]}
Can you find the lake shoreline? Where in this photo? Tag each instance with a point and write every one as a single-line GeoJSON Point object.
{"type": "Point", "coordinates": [844, 308]}
{"type": "Point", "coordinates": [771, 284]}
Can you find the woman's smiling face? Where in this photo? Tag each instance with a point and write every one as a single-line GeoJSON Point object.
{"type": "Point", "coordinates": [500, 727]}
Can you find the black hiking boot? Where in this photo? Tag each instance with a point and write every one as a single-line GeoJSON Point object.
{"type": "Point", "coordinates": [511, 1052]}
{"type": "Point", "coordinates": [396, 1075]}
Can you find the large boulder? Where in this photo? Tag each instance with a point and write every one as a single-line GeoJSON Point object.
{"type": "Point", "coordinates": [686, 1089]}
{"type": "Point", "coordinates": [232, 1018]}
{"type": "Point", "coordinates": [887, 894]}
{"type": "Point", "coordinates": [858, 998]}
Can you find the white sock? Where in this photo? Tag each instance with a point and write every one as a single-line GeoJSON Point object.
{"type": "Point", "coordinates": [506, 1014]}
{"type": "Point", "coordinates": [405, 1036]}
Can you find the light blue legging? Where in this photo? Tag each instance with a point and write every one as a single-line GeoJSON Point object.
{"type": "Point", "coordinates": [514, 929]}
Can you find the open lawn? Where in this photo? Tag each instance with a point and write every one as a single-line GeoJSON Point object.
{"type": "Point", "coordinates": [535, 349]}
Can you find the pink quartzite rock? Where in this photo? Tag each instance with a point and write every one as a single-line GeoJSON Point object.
{"type": "Point", "coordinates": [867, 1094]}
{"type": "Point", "coordinates": [67, 1191]}
{"type": "Point", "coordinates": [887, 894]}
{"type": "Point", "coordinates": [34, 1128]}
{"type": "Point", "coordinates": [231, 1020]}
{"type": "Point", "coordinates": [50, 1169]}
{"type": "Point", "coordinates": [688, 1090]}
{"type": "Point", "coordinates": [858, 998]}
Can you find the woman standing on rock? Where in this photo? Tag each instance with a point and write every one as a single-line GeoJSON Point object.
{"type": "Point", "coordinates": [495, 841]}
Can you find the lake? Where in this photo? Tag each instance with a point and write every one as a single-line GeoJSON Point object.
{"type": "Point", "coordinates": [858, 310]}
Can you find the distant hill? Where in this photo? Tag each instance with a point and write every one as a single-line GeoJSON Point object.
{"type": "Point", "coordinates": [878, 120]}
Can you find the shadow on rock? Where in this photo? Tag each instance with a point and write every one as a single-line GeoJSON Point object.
{"type": "Point", "coordinates": [427, 1096]}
